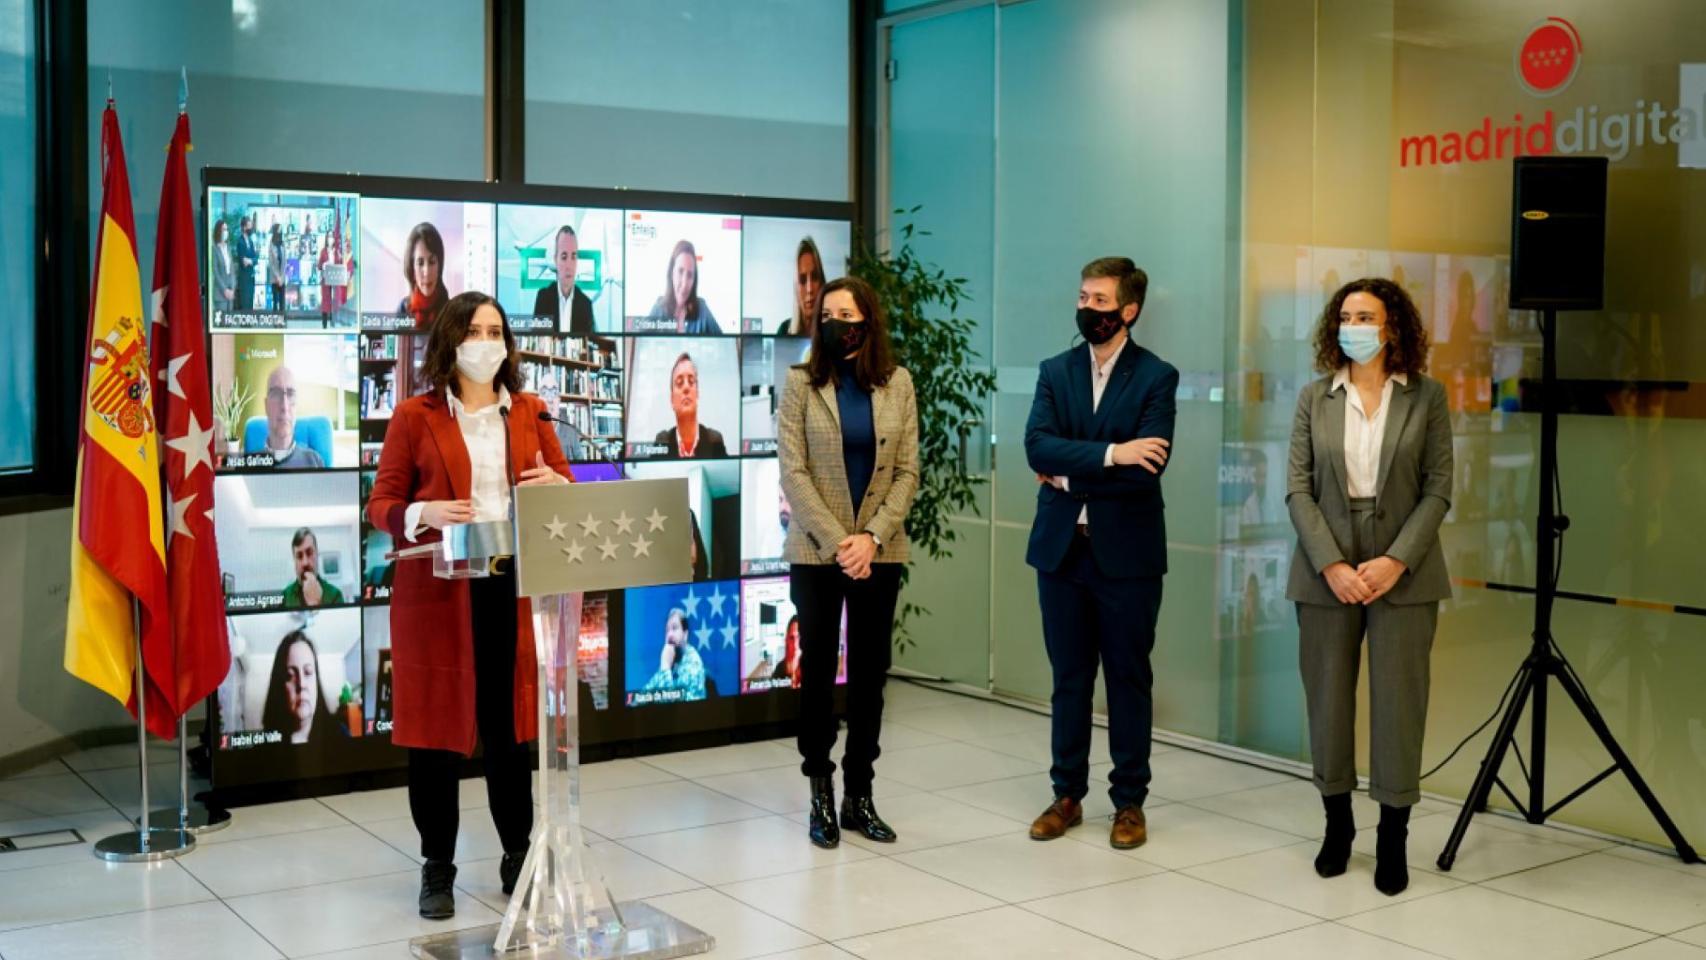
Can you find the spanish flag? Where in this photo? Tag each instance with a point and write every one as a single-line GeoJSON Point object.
{"type": "Point", "coordinates": [117, 543]}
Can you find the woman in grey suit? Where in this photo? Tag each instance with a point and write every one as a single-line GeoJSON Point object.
{"type": "Point", "coordinates": [1369, 484]}
{"type": "Point", "coordinates": [224, 270]}
{"type": "Point", "coordinates": [848, 439]}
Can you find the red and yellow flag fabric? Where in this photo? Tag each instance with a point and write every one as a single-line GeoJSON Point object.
{"type": "Point", "coordinates": [117, 543]}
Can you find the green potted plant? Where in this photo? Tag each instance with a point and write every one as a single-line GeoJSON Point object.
{"type": "Point", "coordinates": [933, 342]}
{"type": "Point", "coordinates": [228, 406]}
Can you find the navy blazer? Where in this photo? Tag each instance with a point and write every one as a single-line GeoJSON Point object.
{"type": "Point", "coordinates": [1068, 436]}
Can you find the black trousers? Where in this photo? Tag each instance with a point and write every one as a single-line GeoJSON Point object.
{"type": "Point", "coordinates": [1089, 617]}
{"type": "Point", "coordinates": [819, 592]}
{"type": "Point", "coordinates": [434, 774]}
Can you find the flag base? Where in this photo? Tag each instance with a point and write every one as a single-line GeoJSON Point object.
{"type": "Point", "coordinates": [145, 846]}
{"type": "Point", "coordinates": [646, 933]}
{"type": "Point", "coordinates": [201, 819]}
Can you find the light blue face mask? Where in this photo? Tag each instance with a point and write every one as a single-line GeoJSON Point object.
{"type": "Point", "coordinates": [1360, 343]}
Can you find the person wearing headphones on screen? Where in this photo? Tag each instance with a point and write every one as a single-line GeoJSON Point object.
{"type": "Point", "coordinates": [847, 435]}
{"type": "Point", "coordinates": [463, 665]}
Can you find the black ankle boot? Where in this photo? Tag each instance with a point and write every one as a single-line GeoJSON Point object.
{"type": "Point", "coordinates": [859, 813]}
{"type": "Point", "coordinates": [1335, 852]}
{"type": "Point", "coordinates": [438, 879]}
{"type": "Point", "coordinates": [824, 832]}
{"type": "Point", "coordinates": [1391, 873]}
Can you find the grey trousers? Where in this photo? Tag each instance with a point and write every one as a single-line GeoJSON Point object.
{"type": "Point", "coordinates": [1400, 640]}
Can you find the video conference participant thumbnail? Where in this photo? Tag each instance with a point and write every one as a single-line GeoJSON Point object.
{"type": "Point", "coordinates": [285, 401]}
{"type": "Point", "coordinates": [560, 264]}
{"type": "Point", "coordinates": [683, 397]}
{"type": "Point", "coordinates": [377, 572]}
{"type": "Point", "coordinates": [784, 265]}
{"type": "Point", "coordinates": [280, 259]}
{"type": "Point", "coordinates": [682, 643]}
{"type": "Point", "coordinates": [290, 541]}
{"type": "Point", "coordinates": [770, 638]}
{"type": "Point", "coordinates": [295, 679]}
{"type": "Point", "coordinates": [417, 254]}
{"type": "Point", "coordinates": [764, 363]}
{"type": "Point", "coordinates": [764, 522]}
{"type": "Point", "coordinates": [714, 499]}
{"type": "Point", "coordinates": [682, 272]}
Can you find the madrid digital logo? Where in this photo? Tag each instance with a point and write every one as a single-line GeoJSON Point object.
{"type": "Point", "coordinates": [1546, 61]}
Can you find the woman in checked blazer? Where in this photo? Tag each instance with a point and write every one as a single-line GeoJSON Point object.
{"type": "Point", "coordinates": [847, 435]}
{"type": "Point", "coordinates": [1368, 485]}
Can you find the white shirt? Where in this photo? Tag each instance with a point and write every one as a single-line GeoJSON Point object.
{"type": "Point", "coordinates": [1099, 374]}
{"type": "Point", "coordinates": [1363, 434]}
{"type": "Point", "coordinates": [565, 309]}
{"type": "Point", "coordinates": [483, 434]}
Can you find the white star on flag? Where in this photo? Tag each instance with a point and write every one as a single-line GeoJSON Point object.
{"type": "Point", "coordinates": [180, 511]}
{"type": "Point", "coordinates": [589, 526]}
{"type": "Point", "coordinates": [642, 547]}
{"type": "Point", "coordinates": [654, 523]}
{"type": "Point", "coordinates": [704, 635]}
{"type": "Point", "coordinates": [196, 445]}
{"type": "Point", "coordinates": [692, 603]}
{"type": "Point", "coordinates": [159, 311]}
{"type": "Point", "coordinates": [729, 633]}
{"type": "Point", "coordinates": [575, 551]}
{"type": "Point", "coordinates": [716, 600]}
{"type": "Point", "coordinates": [170, 375]}
{"type": "Point", "coordinates": [556, 526]}
{"type": "Point", "coordinates": [624, 523]}
{"type": "Point", "coordinates": [608, 550]}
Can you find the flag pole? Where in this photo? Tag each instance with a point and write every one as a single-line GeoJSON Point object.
{"type": "Point", "coordinates": [146, 843]}
{"type": "Point", "coordinates": [204, 818]}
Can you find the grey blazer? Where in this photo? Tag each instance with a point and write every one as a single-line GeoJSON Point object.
{"type": "Point", "coordinates": [814, 469]}
{"type": "Point", "coordinates": [224, 273]}
{"type": "Point", "coordinates": [1413, 491]}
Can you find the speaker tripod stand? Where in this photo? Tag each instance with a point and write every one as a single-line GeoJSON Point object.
{"type": "Point", "coordinates": [1546, 662]}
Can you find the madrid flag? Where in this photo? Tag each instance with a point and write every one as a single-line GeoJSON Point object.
{"type": "Point", "coordinates": [199, 656]}
{"type": "Point", "coordinates": [117, 545]}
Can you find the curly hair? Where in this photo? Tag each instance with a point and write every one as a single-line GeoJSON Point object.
{"type": "Point", "coordinates": [1406, 334]}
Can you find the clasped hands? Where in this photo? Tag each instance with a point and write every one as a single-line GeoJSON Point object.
{"type": "Point", "coordinates": [443, 513]}
{"type": "Point", "coordinates": [1366, 582]}
{"type": "Point", "coordinates": [855, 554]}
{"type": "Point", "coordinates": [1150, 453]}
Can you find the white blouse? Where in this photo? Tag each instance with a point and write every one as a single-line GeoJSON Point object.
{"type": "Point", "coordinates": [483, 434]}
{"type": "Point", "coordinates": [1363, 434]}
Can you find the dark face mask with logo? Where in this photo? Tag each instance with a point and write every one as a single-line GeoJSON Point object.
{"type": "Point", "coordinates": [1099, 326]}
{"type": "Point", "coordinates": [840, 337]}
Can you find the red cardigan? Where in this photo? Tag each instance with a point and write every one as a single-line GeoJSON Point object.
{"type": "Point", "coordinates": [432, 648]}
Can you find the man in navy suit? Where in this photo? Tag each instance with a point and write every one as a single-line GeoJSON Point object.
{"type": "Point", "coordinates": [247, 257]}
{"type": "Point", "coordinates": [1099, 434]}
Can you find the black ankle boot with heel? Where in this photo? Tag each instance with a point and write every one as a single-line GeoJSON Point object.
{"type": "Point", "coordinates": [824, 832]}
{"type": "Point", "coordinates": [1391, 873]}
{"type": "Point", "coordinates": [1335, 853]}
{"type": "Point", "coordinates": [859, 814]}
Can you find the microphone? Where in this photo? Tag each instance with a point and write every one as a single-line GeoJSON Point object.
{"type": "Point", "coordinates": [545, 417]}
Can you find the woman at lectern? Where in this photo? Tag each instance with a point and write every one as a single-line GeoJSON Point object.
{"type": "Point", "coordinates": [463, 665]}
{"type": "Point", "coordinates": [1368, 486]}
{"type": "Point", "coordinates": [847, 433]}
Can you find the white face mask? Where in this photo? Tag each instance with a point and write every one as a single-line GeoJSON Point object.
{"type": "Point", "coordinates": [479, 360]}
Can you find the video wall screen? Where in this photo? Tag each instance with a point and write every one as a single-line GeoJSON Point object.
{"type": "Point", "coordinates": [657, 338]}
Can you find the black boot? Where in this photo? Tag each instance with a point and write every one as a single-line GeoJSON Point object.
{"type": "Point", "coordinates": [824, 832]}
{"type": "Point", "coordinates": [1391, 873]}
{"type": "Point", "coordinates": [509, 870]}
{"type": "Point", "coordinates": [437, 878]}
{"type": "Point", "coordinates": [859, 813]}
{"type": "Point", "coordinates": [1341, 832]}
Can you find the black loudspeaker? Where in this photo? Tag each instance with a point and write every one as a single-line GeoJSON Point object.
{"type": "Point", "coordinates": [1558, 233]}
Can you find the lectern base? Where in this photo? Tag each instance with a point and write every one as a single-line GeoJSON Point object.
{"type": "Point", "coordinates": [649, 934]}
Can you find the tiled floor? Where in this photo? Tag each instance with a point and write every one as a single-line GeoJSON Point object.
{"type": "Point", "coordinates": [717, 838]}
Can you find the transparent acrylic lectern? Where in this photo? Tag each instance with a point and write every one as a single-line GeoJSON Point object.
{"type": "Point", "coordinates": [567, 540]}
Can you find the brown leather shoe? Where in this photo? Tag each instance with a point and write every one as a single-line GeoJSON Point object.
{"type": "Point", "coordinates": [1061, 815]}
{"type": "Point", "coordinates": [1130, 829]}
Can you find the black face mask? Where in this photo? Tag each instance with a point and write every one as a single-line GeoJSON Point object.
{"type": "Point", "coordinates": [1099, 326]}
{"type": "Point", "coordinates": [840, 337]}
